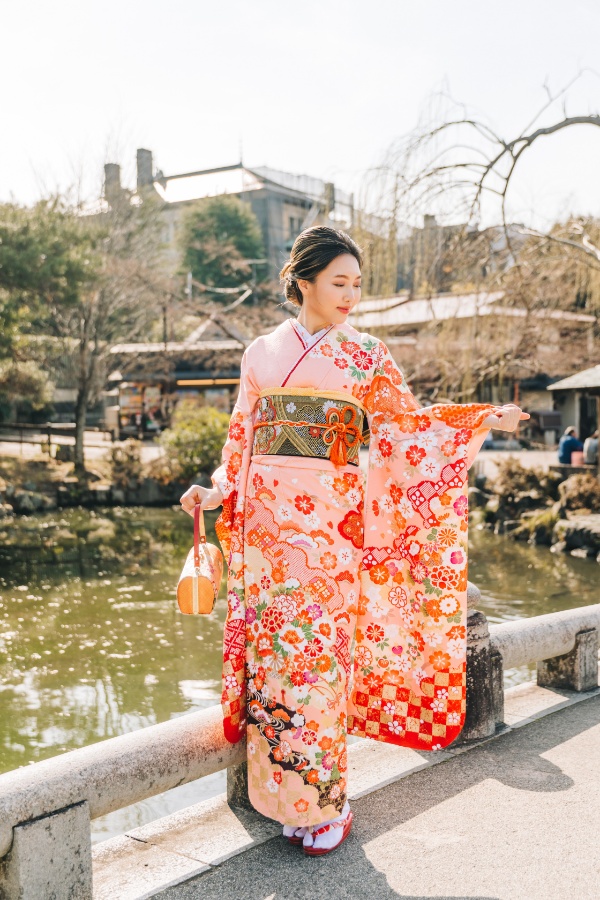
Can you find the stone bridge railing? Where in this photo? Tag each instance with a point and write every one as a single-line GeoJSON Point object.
{"type": "Point", "coordinates": [46, 808]}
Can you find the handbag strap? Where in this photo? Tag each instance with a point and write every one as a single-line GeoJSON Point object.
{"type": "Point", "coordinates": [200, 538]}
{"type": "Point", "coordinates": [199, 533]}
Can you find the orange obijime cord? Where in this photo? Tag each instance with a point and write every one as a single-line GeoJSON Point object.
{"type": "Point", "coordinates": [341, 435]}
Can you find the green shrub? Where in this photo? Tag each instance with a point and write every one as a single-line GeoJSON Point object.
{"type": "Point", "coordinates": [518, 486]}
{"type": "Point", "coordinates": [195, 440]}
{"type": "Point", "coordinates": [581, 492]}
{"type": "Point", "coordinates": [126, 464]}
{"type": "Point", "coordinates": [538, 527]}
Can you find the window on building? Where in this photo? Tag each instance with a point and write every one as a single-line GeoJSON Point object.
{"type": "Point", "coordinates": [295, 226]}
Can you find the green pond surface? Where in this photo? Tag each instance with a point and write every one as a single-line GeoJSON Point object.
{"type": "Point", "coordinates": [92, 644]}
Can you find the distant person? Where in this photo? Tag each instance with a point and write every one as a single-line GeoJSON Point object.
{"type": "Point", "coordinates": [567, 444]}
{"type": "Point", "coordinates": [590, 449]}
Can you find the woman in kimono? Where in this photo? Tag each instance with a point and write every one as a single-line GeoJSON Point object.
{"type": "Point", "coordinates": [346, 593]}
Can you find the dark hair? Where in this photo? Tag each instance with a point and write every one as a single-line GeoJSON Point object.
{"type": "Point", "coordinates": [313, 250]}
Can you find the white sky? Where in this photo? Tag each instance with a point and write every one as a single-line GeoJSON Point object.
{"type": "Point", "coordinates": [314, 86]}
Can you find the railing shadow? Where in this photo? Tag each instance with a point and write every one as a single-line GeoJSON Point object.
{"type": "Point", "coordinates": [372, 861]}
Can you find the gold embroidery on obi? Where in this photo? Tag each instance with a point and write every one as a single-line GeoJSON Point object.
{"type": "Point", "coordinates": [299, 422]}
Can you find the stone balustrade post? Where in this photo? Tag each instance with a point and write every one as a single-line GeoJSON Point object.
{"type": "Point", "coordinates": [577, 670]}
{"type": "Point", "coordinates": [485, 693]}
{"type": "Point", "coordinates": [237, 785]}
{"type": "Point", "coordinates": [50, 857]}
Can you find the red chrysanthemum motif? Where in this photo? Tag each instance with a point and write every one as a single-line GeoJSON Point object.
{"type": "Point", "coordinates": [236, 431]}
{"type": "Point", "coordinates": [444, 577]}
{"type": "Point", "coordinates": [350, 347]}
{"type": "Point", "coordinates": [415, 454]}
{"type": "Point", "coordinates": [341, 362]}
{"type": "Point", "coordinates": [463, 436]}
{"type": "Point", "coordinates": [375, 633]}
{"type": "Point", "coordinates": [304, 504]}
{"type": "Point", "coordinates": [362, 360]}
{"type": "Point", "coordinates": [233, 466]}
{"type": "Point", "coordinates": [396, 493]}
{"type": "Point", "coordinates": [385, 448]}
{"type": "Point", "coordinates": [272, 619]}
{"type": "Point", "coordinates": [314, 648]}
{"type": "Point", "coordinates": [352, 528]}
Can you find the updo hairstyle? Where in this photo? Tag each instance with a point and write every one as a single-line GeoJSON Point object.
{"type": "Point", "coordinates": [313, 250]}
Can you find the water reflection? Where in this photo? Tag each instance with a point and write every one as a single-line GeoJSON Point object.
{"type": "Point", "coordinates": [86, 657]}
{"type": "Point", "coordinates": [92, 644]}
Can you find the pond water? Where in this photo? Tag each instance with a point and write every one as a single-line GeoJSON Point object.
{"type": "Point", "coordinates": [92, 644]}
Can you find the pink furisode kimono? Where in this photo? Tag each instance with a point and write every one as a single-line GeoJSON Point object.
{"type": "Point", "coordinates": [346, 594]}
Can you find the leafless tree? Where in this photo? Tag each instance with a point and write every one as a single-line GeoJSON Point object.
{"type": "Point", "coordinates": [457, 167]}
{"type": "Point", "coordinates": [120, 302]}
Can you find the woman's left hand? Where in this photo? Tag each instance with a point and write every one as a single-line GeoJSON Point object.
{"type": "Point", "coordinates": [506, 418]}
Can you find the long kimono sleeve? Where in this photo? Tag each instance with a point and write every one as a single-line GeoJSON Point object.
{"type": "Point", "coordinates": [410, 653]}
{"type": "Point", "coordinates": [229, 477]}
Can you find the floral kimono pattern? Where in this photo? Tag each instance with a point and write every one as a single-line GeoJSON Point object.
{"type": "Point", "coordinates": [346, 594]}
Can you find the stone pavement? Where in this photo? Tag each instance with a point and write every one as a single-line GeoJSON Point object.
{"type": "Point", "coordinates": [516, 818]}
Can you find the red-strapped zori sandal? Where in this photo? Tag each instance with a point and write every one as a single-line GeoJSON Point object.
{"type": "Point", "coordinates": [345, 825]}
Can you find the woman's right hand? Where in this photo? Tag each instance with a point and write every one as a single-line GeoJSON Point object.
{"type": "Point", "coordinates": [208, 498]}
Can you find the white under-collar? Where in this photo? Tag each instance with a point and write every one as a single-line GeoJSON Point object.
{"type": "Point", "coordinates": [308, 338]}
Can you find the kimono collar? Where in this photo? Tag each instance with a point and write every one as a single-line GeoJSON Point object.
{"type": "Point", "coordinates": [308, 339]}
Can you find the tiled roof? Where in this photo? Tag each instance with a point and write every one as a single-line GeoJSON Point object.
{"type": "Point", "coordinates": [587, 378]}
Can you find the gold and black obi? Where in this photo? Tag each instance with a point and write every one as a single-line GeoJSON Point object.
{"type": "Point", "coordinates": [305, 422]}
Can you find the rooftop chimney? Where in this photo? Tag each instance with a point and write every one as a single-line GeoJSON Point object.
{"type": "Point", "coordinates": [144, 168]}
{"type": "Point", "coordinates": [112, 181]}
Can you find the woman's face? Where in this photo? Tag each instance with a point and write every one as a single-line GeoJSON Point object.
{"type": "Point", "coordinates": [335, 291]}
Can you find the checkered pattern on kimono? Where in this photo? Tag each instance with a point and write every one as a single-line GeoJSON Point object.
{"type": "Point", "coordinates": [394, 713]}
{"type": "Point", "coordinates": [279, 804]}
{"type": "Point", "coordinates": [260, 771]}
{"type": "Point", "coordinates": [233, 696]}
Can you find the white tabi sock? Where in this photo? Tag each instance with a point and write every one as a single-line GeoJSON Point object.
{"type": "Point", "coordinates": [331, 838]}
{"type": "Point", "coordinates": [294, 831]}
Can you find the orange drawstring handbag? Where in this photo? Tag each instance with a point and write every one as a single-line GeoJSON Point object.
{"type": "Point", "coordinates": [200, 578]}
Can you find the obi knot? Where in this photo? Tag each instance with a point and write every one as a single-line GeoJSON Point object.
{"type": "Point", "coordinates": [341, 434]}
